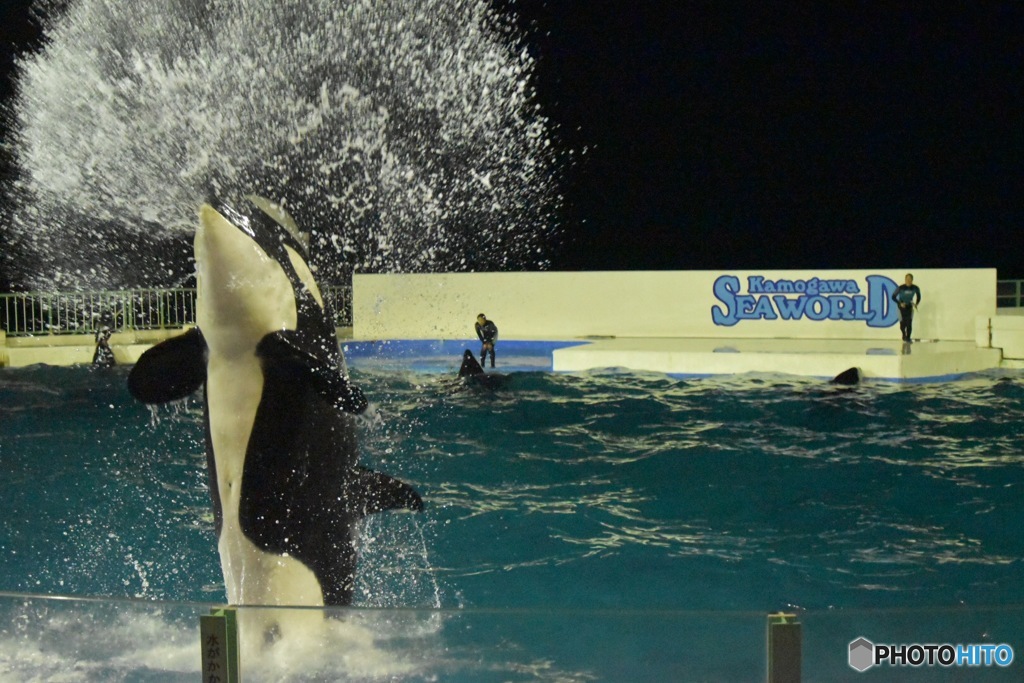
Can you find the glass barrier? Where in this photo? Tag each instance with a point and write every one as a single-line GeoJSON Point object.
{"type": "Point", "coordinates": [81, 639]}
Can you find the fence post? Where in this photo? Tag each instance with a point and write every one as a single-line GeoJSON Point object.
{"type": "Point", "coordinates": [784, 648]}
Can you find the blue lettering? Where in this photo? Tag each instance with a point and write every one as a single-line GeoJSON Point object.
{"type": "Point", "coordinates": [745, 304]}
{"type": "Point", "coordinates": [860, 307]}
{"type": "Point", "coordinates": [790, 309]}
{"type": "Point", "coordinates": [817, 308]}
{"type": "Point", "coordinates": [725, 291]}
{"type": "Point", "coordinates": [840, 308]}
{"type": "Point", "coordinates": [966, 655]}
{"type": "Point", "coordinates": [764, 309]}
{"type": "Point", "coordinates": [883, 313]}
{"type": "Point", "coordinates": [1004, 655]}
{"type": "Point", "coordinates": [815, 298]}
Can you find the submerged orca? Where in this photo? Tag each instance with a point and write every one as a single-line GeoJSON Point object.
{"type": "Point", "coordinates": [472, 372]}
{"type": "Point", "coordinates": [280, 412]}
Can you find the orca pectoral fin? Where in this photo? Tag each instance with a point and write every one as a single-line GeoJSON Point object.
{"type": "Point", "coordinates": [290, 348]}
{"type": "Point", "coordinates": [171, 370]}
{"type": "Point", "coordinates": [375, 492]}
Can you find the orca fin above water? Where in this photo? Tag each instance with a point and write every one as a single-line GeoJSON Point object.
{"type": "Point", "coordinates": [171, 370]}
{"type": "Point", "coordinates": [371, 492]}
{"type": "Point", "coordinates": [470, 366]}
{"type": "Point", "coordinates": [847, 378]}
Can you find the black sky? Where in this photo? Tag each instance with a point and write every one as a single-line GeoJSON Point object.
{"type": "Point", "coordinates": [752, 134]}
{"type": "Point", "coordinates": [788, 135]}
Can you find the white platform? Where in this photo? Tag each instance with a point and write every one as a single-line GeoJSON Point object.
{"type": "Point", "coordinates": [824, 358]}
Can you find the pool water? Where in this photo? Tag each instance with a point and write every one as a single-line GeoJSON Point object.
{"type": "Point", "coordinates": [653, 505]}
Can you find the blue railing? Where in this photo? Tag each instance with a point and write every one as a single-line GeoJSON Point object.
{"type": "Point", "coordinates": [26, 314]}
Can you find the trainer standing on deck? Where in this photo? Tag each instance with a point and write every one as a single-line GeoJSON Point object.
{"type": "Point", "coordinates": [487, 332]}
{"type": "Point", "coordinates": [907, 296]}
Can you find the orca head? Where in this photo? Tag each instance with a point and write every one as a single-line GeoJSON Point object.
{"type": "Point", "coordinates": [252, 274]}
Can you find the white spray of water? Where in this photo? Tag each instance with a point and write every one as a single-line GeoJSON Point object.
{"type": "Point", "coordinates": [403, 134]}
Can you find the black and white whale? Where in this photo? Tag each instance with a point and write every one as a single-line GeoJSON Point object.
{"type": "Point", "coordinates": [473, 373]}
{"type": "Point", "coordinates": [848, 378]}
{"type": "Point", "coordinates": [282, 453]}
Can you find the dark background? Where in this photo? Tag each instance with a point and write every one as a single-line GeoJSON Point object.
{"type": "Point", "coordinates": [729, 135]}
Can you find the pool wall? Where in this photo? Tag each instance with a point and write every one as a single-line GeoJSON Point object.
{"type": "Point", "coordinates": [795, 304]}
{"type": "Point", "coordinates": [815, 323]}
{"type": "Point", "coordinates": [696, 323]}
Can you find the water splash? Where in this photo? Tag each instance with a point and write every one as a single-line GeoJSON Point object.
{"type": "Point", "coordinates": [403, 134]}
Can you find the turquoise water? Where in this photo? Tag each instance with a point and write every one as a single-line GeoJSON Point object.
{"type": "Point", "coordinates": [578, 527]}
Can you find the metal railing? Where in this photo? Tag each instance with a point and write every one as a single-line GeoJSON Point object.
{"type": "Point", "coordinates": [26, 314]}
{"type": "Point", "coordinates": [1008, 293]}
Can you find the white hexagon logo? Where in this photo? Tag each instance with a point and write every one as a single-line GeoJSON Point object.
{"type": "Point", "coordinates": [862, 654]}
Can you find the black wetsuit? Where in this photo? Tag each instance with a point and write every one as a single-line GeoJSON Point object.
{"type": "Point", "coordinates": [488, 334]}
{"type": "Point", "coordinates": [907, 297]}
{"type": "Point", "coordinates": [103, 357]}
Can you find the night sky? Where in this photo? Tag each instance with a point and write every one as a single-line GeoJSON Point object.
{"type": "Point", "coordinates": [757, 135]}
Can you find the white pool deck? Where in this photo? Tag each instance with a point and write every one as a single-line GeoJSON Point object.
{"type": "Point", "coordinates": [891, 360]}
{"type": "Point", "coordinates": [681, 356]}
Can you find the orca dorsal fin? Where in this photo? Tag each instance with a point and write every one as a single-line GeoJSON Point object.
{"type": "Point", "coordinates": [171, 370]}
{"type": "Point", "coordinates": [375, 492]}
{"type": "Point", "coordinates": [848, 378]}
{"type": "Point", "coordinates": [470, 365]}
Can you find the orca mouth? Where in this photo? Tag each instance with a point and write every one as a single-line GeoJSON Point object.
{"type": "Point", "coordinates": [235, 217]}
{"type": "Point", "coordinates": [265, 222]}
{"type": "Point", "coordinates": [269, 228]}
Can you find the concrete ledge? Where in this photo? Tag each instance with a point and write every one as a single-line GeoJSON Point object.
{"type": "Point", "coordinates": [77, 349]}
{"type": "Point", "coordinates": [1007, 333]}
{"type": "Point", "coordinates": [821, 358]}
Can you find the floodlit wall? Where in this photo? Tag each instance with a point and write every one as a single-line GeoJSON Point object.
{"type": "Point", "coordinates": [832, 304]}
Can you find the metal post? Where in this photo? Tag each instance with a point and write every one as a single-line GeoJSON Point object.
{"type": "Point", "coordinates": [218, 634]}
{"type": "Point", "coordinates": [784, 648]}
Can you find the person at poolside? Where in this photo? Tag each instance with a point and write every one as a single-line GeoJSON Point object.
{"type": "Point", "coordinates": [907, 296]}
{"type": "Point", "coordinates": [103, 356]}
{"type": "Point", "coordinates": [487, 332]}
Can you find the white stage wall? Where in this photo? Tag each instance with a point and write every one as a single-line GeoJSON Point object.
{"type": "Point", "coordinates": [804, 304]}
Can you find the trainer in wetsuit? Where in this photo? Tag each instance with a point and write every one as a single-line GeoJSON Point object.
{"type": "Point", "coordinates": [487, 332]}
{"type": "Point", "coordinates": [907, 296]}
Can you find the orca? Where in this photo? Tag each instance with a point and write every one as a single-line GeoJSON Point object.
{"type": "Point", "coordinates": [473, 373]}
{"type": "Point", "coordinates": [280, 413]}
{"type": "Point", "coordinates": [847, 378]}
{"type": "Point", "coordinates": [470, 365]}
